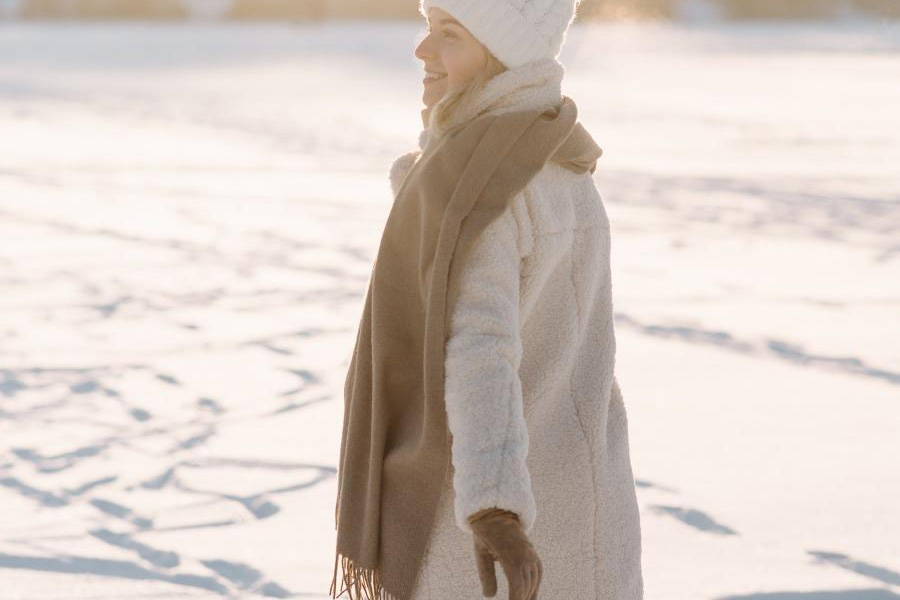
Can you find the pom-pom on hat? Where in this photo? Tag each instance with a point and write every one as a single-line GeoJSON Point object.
{"type": "Point", "coordinates": [515, 31]}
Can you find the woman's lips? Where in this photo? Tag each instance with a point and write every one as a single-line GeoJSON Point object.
{"type": "Point", "coordinates": [426, 80]}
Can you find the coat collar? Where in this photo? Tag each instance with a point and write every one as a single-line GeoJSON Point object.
{"type": "Point", "coordinates": [537, 84]}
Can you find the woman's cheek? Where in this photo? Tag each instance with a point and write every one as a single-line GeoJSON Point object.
{"type": "Point", "coordinates": [455, 69]}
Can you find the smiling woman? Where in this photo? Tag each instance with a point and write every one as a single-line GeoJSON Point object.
{"type": "Point", "coordinates": [483, 421]}
{"type": "Point", "coordinates": [456, 65]}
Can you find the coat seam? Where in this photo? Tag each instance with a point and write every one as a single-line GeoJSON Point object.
{"type": "Point", "coordinates": [526, 268]}
{"type": "Point", "coordinates": [572, 230]}
{"type": "Point", "coordinates": [503, 452]}
{"type": "Point", "coordinates": [580, 422]}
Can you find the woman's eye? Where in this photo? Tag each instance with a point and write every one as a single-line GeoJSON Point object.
{"type": "Point", "coordinates": [449, 35]}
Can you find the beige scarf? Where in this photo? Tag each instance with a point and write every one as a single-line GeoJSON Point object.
{"type": "Point", "coordinates": [396, 446]}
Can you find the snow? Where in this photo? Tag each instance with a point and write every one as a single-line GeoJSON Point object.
{"type": "Point", "coordinates": [188, 217]}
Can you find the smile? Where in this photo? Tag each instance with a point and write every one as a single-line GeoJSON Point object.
{"type": "Point", "coordinates": [432, 77]}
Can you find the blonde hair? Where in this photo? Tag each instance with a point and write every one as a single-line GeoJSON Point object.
{"type": "Point", "coordinates": [445, 107]}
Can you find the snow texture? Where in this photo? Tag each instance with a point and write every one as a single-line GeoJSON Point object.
{"type": "Point", "coordinates": [188, 218]}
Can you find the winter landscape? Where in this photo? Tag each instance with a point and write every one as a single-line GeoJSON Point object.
{"type": "Point", "coordinates": [188, 215]}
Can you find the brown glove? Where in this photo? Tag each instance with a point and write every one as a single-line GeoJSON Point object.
{"type": "Point", "coordinates": [499, 535]}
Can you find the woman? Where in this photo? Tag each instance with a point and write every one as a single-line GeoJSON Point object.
{"type": "Point", "coordinates": [540, 477]}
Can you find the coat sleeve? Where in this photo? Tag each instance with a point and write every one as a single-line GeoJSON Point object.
{"type": "Point", "coordinates": [483, 392]}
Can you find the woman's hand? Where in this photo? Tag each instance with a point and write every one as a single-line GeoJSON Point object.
{"type": "Point", "coordinates": [499, 535]}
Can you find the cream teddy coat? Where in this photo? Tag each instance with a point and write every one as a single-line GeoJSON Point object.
{"type": "Point", "coordinates": [536, 415]}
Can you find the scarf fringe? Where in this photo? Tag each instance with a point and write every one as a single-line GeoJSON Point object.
{"type": "Point", "coordinates": [362, 581]}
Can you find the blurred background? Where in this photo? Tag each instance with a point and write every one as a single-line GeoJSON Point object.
{"type": "Point", "coordinates": [191, 197]}
{"type": "Point", "coordinates": [404, 9]}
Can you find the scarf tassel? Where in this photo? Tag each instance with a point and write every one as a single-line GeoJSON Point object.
{"type": "Point", "coordinates": [362, 581]}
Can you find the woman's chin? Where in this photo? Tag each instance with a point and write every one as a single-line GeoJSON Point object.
{"type": "Point", "coordinates": [432, 94]}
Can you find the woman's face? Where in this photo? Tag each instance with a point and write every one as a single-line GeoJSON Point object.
{"type": "Point", "coordinates": [450, 52]}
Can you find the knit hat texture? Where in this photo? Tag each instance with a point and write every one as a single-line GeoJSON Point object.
{"type": "Point", "coordinates": [515, 31]}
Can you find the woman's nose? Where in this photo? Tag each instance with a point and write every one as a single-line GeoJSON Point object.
{"type": "Point", "coordinates": [423, 50]}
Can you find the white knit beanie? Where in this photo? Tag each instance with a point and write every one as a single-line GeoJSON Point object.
{"type": "Point", "coordinates": [515, 31]}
